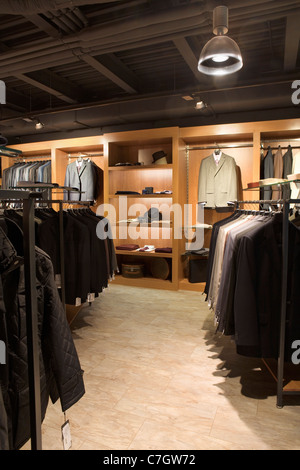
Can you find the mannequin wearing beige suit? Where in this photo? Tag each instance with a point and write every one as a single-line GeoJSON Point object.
{"type": "Point", "coordinates": [217, 182]}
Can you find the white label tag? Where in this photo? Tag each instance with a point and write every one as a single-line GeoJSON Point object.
{"type": "Point", "coordinates": [90, 297]}
{"type": "Point", "coordinates": [77, 302]}
{"type": "Point", "coordinates": [66, 435]}
{"type": "Point", "coordinates": [58, 280]}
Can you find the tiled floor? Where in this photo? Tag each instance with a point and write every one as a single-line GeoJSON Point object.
{"type": "Point", "coordinates": [157, 377]}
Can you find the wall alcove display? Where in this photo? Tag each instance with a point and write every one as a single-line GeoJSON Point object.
{"type": "Point", "coordinates": [138, 183]}
{"type": "Point", "coordinates": [184, 148]}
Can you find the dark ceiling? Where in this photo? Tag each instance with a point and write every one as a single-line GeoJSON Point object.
{"type": "Point", "coordinates": [85, 67]}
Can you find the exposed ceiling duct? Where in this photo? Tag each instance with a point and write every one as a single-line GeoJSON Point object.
{"type": "Point", "coordinates": [30, 7]}
{"type": "Point", "coordinates": [121, 64]}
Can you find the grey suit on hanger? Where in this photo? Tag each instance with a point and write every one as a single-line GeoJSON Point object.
{"type": "Point", "coordinates": [217, 184]}
{"type": "Point", "coordinates": [268, 173]}
{"type": "Point", "coordinates": [287, 170]}
{"type": "Point", "coordinates": [82, 178]}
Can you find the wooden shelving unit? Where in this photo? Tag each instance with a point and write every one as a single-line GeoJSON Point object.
{"type": "Point", "coordinates": [132, 147]}
{"type": "Point", "coordinates": [242, 141]}
{"type": "Point", "coordinates": [185, 148]}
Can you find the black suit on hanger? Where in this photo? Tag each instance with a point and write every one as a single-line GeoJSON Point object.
{"type": "Point", "coordinates": [77, 254]}
{"type": "Point", "coordinates": [258, 291]}
{"type": "Point", "coordinates": [98, 261]}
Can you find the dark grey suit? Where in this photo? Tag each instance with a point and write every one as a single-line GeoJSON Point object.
{"type": "Point", "coordinates": [83, 178]}
{"type": "Point", "coordinates": [287, 170]}
{"type": "Point", "coordinates": [268, 173]}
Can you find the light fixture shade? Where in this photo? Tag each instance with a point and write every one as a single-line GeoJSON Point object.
{"type": "Point", "coordinates": [39, 125]}
{"type": "Point", "coordinates": [200, 105]}
{"type": "Point", "coordinates": [220, 56]}
{"type": "Point", "coordinates": [3, 141]}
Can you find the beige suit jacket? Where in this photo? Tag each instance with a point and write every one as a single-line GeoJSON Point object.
{"type": "Point", "coordinates": [217, 184]}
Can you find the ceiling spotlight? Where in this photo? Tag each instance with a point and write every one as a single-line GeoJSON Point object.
{"type": "Point", "coordinates": [39, 125]}
{"type": "Point", "coordinates": [221, 54]}
{"type": "Point", "coordinates": [200, 105]}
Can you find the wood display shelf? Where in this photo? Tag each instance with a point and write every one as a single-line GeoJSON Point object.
{"type": "Point", "coordinates": [159, 224]}
{"type": "Point", "coordinates": [72, 312]}
{"type": "Point", "coordinates": [150, 282]}
{"type": "Point", "coordinates": [292, 386]}
{"type": "Point", "coordinates": [142, 196]}
{"type": "Point", "coordinates": [185, 147]}
{"type": "Point", "coordinates": [184, 284]}
{"type": "Point", "coordinates": [167, 166]}
{"type": "Point", "coordinates": [291, 373]}
{"type": "Point", "coordinates": [152, 254]}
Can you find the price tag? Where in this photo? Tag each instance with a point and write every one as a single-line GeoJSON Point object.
{"type": "Point", "coordinates": [66, 435]}
{"type": "Point", "coordinates": [58, 280]}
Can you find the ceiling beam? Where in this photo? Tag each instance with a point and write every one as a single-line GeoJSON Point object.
{"type": "Point", "coordinates": [43, 25]}
{"type": "Point", "coordinates": [52, 84]}
{"type": "Point", "coordinates": [292, 38]}
{"type": "Point", "coordinates": [16, 101]}
{"type": "Point", "coordinates": [113, 69]}
{"type": "Point", "coordinates": [188, 55]}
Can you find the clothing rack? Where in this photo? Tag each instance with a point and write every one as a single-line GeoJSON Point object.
{"type": "Point", "coordinates": [22, 158]}
{"type": "Point", "coordinates": [220, 146]}
{"type": "Point", "coordinates": [85, 155]}
{"type": "Point", "coordinates": [243, 145]}
{"type": "Point", "coordinates": [61, 239]}
{"type": "Point", "coordinates": [284, 283]}
{"type": "Point", "coordinates": [28, 200]}
{"type": "Point", "coordinates": [11, 153]}
{"type": "Point", "coordinates": [280, 146]}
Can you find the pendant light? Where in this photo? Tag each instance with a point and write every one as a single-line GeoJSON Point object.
{"type": "Point", "coordinates": [220, 55]}
{"type": "Point", "coordinates": [3, 141]}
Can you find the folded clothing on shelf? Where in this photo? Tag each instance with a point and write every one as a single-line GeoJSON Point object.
{"type": "Point", "coordinates": [127, 192]}
{"type": "Point", "coordinates": [147, 248]}
{"type": "Point", "coordinates": [128, 247]}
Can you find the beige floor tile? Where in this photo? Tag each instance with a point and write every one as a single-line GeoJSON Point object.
{"type": "Point", "coordinates": [157, 376]}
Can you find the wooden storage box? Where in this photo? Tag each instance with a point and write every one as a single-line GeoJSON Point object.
{"type": "Point", "coordinates": [133, 270]}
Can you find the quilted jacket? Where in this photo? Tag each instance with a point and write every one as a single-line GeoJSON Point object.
{"type": "Point", "coordinates": [61, 376]}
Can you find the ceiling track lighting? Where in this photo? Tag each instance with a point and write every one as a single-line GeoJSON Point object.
{"type": "Point", "coordinates": [39, 125]}
{"type": "Point", "coordinates": [200, 105]}
{"type": "Point", "coordinates": [221, 54]}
